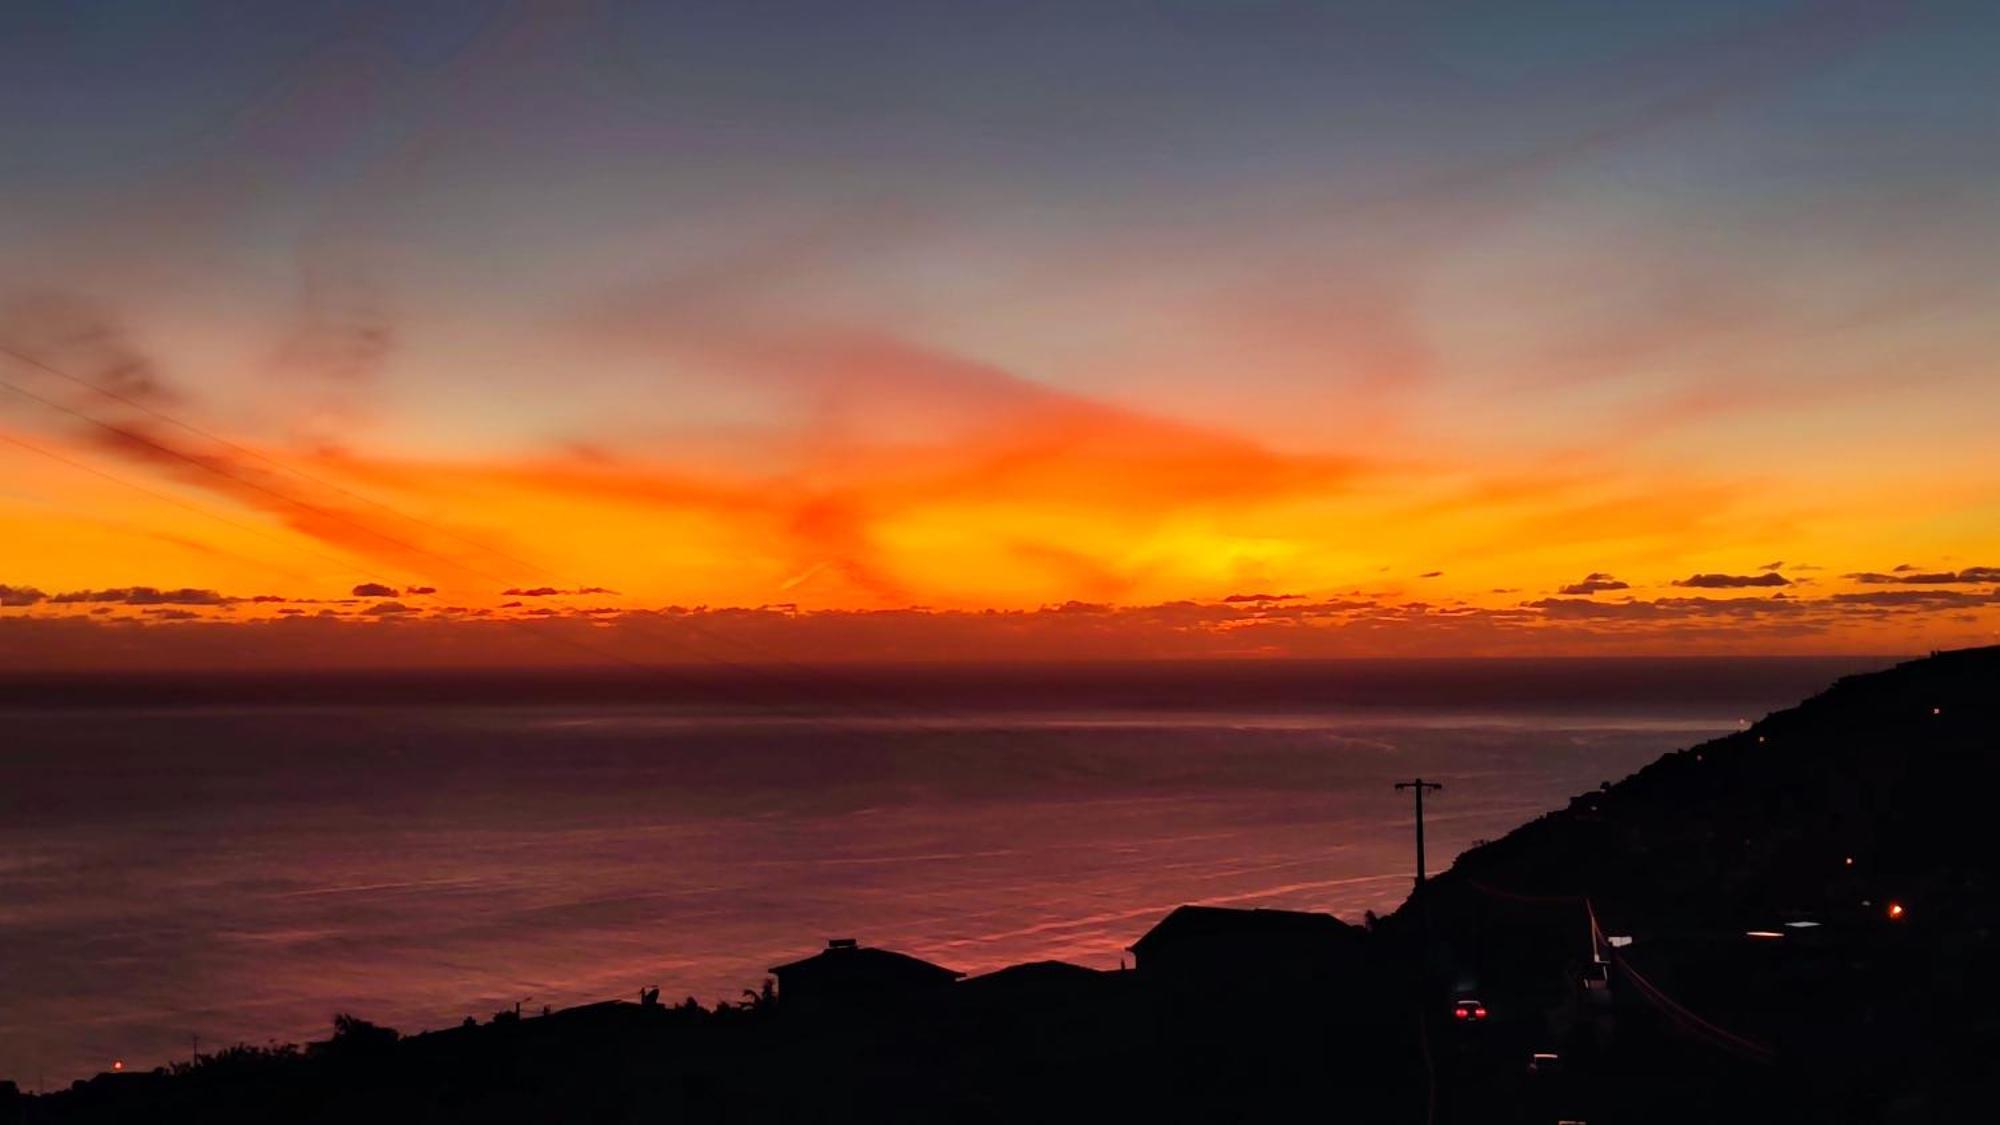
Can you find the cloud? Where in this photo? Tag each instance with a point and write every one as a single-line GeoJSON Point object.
{"type": "Point", "coordinates": [1733, 581]}
{"type": "Point", "coordinates": [341, 331]}
{"type": "Point", "coordinates": [531, 592]}
{"type": "Point", "coordinates": [1779, 565]}
{"type": "Point", "coordinates": [1236, 598]}
{"type": "Point", "coordinates": [1745, 609]}
{"type": "Point", "coordinates": [1079, 607]}
{"type": "Point", "coordinates": [121, 409]}
{"type": "Point", "coordinates": [143, 595]}
{"type": "Point", "coordinates": [876, 429]}
{"type": "Point", "coordinates": [1431, 574]}
{"type": "Point", "coordinates": [1336, 627]}
{"type": "Point", "coordinates": [1903, 568]}
{"type": "Point", "coordinates": [374, 590]}
{"type": "Point", "coordinates": [239, 474]}
{"type": "Point", "coordinates": [72, 335]}
{"type": "Point", "coordinates": [1595, 582]}
{"type": "Point", "coordinates": [1923, 599]}
{"type": "Point", "coordinates": [1909, 576]}
{"type": "Point", "coordinates": [20, 595]}
{"type": "Point", "coordinates": [421, 590]}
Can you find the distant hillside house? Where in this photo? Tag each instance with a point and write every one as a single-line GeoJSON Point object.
{"type": "Point", "coordinates": [845, 972]}
{"type": "Point", "coordinates": [1215, 942]}
{"type": "Point", "coordinates": [1037, 985]}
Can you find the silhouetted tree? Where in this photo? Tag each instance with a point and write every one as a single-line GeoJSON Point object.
{"type": "Point", "coordinates": [763, 999]}
{"type": "Point", "coordinates": [354, 1037]}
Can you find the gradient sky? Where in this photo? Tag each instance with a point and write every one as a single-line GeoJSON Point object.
{"type": "Point", "coordinates": [995, 329]}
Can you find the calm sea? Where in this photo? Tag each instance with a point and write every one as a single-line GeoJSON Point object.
{"type": "Point", "coordinates": [178, 863]}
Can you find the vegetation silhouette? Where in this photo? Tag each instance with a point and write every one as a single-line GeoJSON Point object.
{"type": "Point", "coordinates": [1790, 923]}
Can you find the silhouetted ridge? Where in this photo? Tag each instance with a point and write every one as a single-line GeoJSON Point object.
{"type": "Point", "coordinates": [1889, 769]}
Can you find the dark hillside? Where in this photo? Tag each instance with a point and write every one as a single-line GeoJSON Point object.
{"type": "Point", "coordinates": [1814, 895]}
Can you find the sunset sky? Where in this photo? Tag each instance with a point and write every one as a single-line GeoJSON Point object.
{"type": "Point", "coordinates": [574, 332]}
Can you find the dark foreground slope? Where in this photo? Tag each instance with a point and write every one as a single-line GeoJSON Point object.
{"type": "Point", "coordinates": [1803, 915]}
{"type": "Point", "coordinates": [1805, 909]}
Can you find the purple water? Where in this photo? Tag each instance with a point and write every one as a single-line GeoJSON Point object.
{"type": "Point", "coordinates": [242, 873]}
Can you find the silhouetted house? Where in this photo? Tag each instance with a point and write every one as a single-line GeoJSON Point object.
{"type": "Point", "coordinates": [1215, 942]}
{"type": "Point", "coordinates": [846, 972]}
{"type": "Point", "coordinates": [1038, 974]}
{"type": "Point", "coordinates": [1037, 984]}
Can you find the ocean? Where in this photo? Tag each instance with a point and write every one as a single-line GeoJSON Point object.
{"type": "Point", "coordinates": [212, 861]}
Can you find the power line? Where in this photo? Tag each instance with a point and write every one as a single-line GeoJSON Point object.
{"type": "Point", "coordinates": [246, 451]}
{"type": "Point", "coordinates": [560, 638]}
{"type": "Point", "coordinates": [285, 497]}
{"type": "Point", "coordinates": [800, 673]}
{"type": "Point", "coordinates": [768, 659]}
{"type": "Point", "coordinates": [183, 504]}
{"type": "Point", "coordinates": [208, 466]}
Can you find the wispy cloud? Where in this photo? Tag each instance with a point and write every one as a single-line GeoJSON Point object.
{"type": "Point", "coordinates": [142, 595]}
{"type": "Point", "coordinates": [1594, 583]}
{"type": "Point", "coordinates": [1733, 581]}
{"type": "Point", "coordinates": [392, 633]}
{"type": "Point", "coordinates": [1911, 576]}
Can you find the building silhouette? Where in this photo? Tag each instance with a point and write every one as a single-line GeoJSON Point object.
{"type": "Point", "coordinates": [846, 973]}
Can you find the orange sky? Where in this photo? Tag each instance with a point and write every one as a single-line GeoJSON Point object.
{"type": "Point", "coordinates": [926, 491]}
{"type": "Point", "coordinates": [1413, 327]}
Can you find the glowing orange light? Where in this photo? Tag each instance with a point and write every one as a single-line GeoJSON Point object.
{"type": "Point", "coordinates": [1849, 861]}
{"type": "Point", "coordinates": [1895, 910]}
{"type": "Point", "coordinates": [1937, 711]}
{"type": "Point", "coordinates": [118, 1064]}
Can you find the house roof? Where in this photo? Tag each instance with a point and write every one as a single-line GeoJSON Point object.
{"type": "Point", "coordinates": [1199, 922]}
{"type": "Point", "coordinates": [848, 962]}
{"type": "Point", "coordinates": [1035, 973]}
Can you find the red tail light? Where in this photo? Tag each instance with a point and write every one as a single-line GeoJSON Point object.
{"type": "Point", "coordinates": [1479, 1013]}
{"type": "Point", "coordinates": [1460, 1013]}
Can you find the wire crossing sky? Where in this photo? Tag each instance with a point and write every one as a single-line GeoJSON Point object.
{"type": "Point", "coordinates": [352, 333]}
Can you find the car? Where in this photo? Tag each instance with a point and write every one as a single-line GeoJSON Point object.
{"type": "Point", "coordinates": [1467, 1010]}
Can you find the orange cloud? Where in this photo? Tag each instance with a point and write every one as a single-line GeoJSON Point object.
{"type": "Point", "coordinates": [388, 634]}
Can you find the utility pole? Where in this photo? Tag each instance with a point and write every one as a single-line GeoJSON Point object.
{"type": "Point", "coordinates": [1418, 786]}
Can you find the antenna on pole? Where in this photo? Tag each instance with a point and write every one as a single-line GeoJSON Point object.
{"type": "Point", "coordinates": [1417, 786]}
